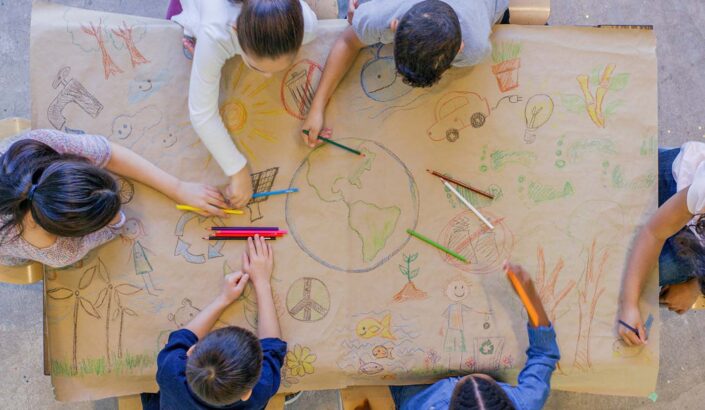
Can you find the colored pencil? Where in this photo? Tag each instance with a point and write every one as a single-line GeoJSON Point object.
{"type": "Point", "coordinates": [337, 144]}
{"type": "Point", "coordinates": [236, 238]}
{"type": "Point", "coordinates": [462, 184]}
{"type": "Point", "coordinates": [244, 228]}
{"type": "Point", "coordinates": [281, 191]}
{"type": "Point", "coordinates": [530, 309]}
{"type": "Point", "coordinates": [248, 233]}
{"type": "Point", "coordinates": [468, 204]}
{"type": "Point", "coordinates": [636, 331]}
{"type": "Point", "coordinates": [436, 245]}
{"type": "Point", "coordinates": [194, 209]}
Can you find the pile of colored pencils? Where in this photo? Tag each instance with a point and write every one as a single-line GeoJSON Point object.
{"type": "Point", "coordinates": [241, 233]}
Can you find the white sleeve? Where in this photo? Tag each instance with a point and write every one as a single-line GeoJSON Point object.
{"type": "Point", "coordinates": [204, 90]}
{"type": "Point", "coordinates": [310, 22]}
{"type": "Point", "coordinates": [696, 193]}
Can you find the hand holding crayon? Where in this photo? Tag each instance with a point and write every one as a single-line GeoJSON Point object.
{"type": "Point", "coordinates": [524, 287]}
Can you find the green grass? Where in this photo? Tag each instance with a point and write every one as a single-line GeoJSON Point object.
{"type": "Point", "coordinates": [502, 52]}
{"type": "Point", "coordinates": [128, 364]}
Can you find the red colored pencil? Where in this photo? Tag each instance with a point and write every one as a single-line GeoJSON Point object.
{"type": "Point", "coordinates": [248, 233]}
{"type": "Point", "coordinates": [236, 238]}
{"type": "Point", "coordinates": [244, 228]}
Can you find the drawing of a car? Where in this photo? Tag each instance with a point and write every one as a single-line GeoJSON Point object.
{"type": "Point", "coordinates": [456, 111]}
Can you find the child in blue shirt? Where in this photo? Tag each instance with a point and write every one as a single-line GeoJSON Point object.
{"type": "Point", "coordinates": [480, 391]}
{"type": "Point", "coordinates": [228, 368]}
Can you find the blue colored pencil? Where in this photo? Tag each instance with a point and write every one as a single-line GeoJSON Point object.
{"type": "Point", "coordinates": [636, 331]}
{"type": "Point", "coordinates": [281, 191]}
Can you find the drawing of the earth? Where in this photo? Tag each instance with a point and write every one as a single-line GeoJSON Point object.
{"type": "Point", "coordinates": [352, 212]}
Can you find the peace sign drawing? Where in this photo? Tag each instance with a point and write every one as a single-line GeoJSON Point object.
{"type": "Point", "coordinates": [308, 300]}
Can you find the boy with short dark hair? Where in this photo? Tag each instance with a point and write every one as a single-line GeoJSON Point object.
{"type": "Point", "coordinates": [228, 368]}
{"type": "Point", "coordinates": [480, 391]}
{"type": "Point", "coordinates": [429, 37]}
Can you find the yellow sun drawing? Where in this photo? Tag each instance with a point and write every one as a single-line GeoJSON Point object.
{"type": "Point", "coordinates": [245, 114]}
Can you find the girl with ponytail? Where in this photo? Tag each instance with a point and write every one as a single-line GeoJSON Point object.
{"type": "Point", "coordinates": [58, 199]}
{"type": "Point", "coordinates": [267, 34]}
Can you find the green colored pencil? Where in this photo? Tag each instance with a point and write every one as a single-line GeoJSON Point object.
{"type": "Point", "coordinates": [337, 144]}
{"type": "Point", "coordinates": [436, 245]}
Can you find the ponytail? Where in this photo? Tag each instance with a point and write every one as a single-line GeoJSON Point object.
{"type": "Point", "coordinates": [270, 28]}
{"type": "Point", "coordinates": [65, 194]}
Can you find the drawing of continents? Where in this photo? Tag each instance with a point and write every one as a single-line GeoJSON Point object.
{"type": "Point", "coordinates": [352, 211]}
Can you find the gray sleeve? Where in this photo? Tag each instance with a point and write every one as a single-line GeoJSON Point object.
{"type": "Point", "coordinates": [371, 23]}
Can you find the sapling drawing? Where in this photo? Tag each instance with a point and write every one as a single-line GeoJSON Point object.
{"type": "Point", "coordinates": [80, 303]}
{"type": "Point", "coordinates": [505, 56]}
{"type": "Point", "coordinates": [590, 289]}
{"type": "Point", "coordinates": [110, 295]}
{"type": "Point", "coordinates": [409, 291]}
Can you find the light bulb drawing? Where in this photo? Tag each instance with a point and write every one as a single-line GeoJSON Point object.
{"type": "Point", "coordinates": [537, 112]}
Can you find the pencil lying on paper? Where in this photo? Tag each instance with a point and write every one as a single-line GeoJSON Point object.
{"type": "Point", "coordinates": [244, 228]}
{"type": "Point", "coordinates": [248, 233]}
{"type": "Point", "coordinates": [181, 207]}
{"type": "Point", "coordinates": [468, 204]}
{"type": "Point", "coordinates": [436, 245]}
{"type": "Point", "coordinates": [281, 191]}
{"type": "Point", "coordinates": [530, 309]}
{"type": "Point", "coordinates": [337, 144]}
{"type": "Point", "coordinates": [237, 238]}
{"type": "Point", "coordinates": [456, 182]}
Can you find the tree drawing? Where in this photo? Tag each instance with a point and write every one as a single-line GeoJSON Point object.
{"type": "Point", "coordinates": [108, 295]}
{"type": "Point", "coordinates": [109, 66]}
{"type": "Point", "coordinates": [409, 291]}
{"type": "Point", "coordinates": [125, 33]}
{"type": "Point", "coordinates": [79, 301]}
{"type": "Point", "coordinates": [589, 292]}
{"type": "Point", "coordinates": [546, 285]}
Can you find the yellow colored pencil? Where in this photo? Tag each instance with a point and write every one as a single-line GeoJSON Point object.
{"type": "Point", "coordinates": [530, 309]}
{"type": "Point", "coordinates": [181, 207]}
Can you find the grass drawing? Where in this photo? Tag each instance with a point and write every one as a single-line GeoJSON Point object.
{"type": "Point", "coordinates": [505, 56]}
{"type": "Point", "coordinates": [127, 364]}
{"type": "Point", "coordinates": [409, 291]}
{"type": "Point", "coordinates": [505, 51]}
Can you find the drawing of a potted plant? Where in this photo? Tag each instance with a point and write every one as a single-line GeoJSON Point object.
{"type": "Point", "coordinates": [505, 57]}
{"type": "Point", "coordinates": [111, 294]}
{"type": "Point", "coordinates": [409, 291]}
{"type": "Point", "coordinates": [85, 305]}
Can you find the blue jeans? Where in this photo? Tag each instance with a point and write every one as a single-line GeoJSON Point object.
{"type": "Point", "coordinates": [682, 256]}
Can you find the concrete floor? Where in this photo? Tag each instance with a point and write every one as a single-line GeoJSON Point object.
{"type": "Point", "coordinates": [681, 34]}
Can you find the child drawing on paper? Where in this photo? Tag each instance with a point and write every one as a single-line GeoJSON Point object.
{"type": "Point", "coordinates": [131, 232]}
{"type": "Point", "coordinates": [457, 290]}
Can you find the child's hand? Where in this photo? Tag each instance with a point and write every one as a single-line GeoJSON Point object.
{"type": "Point", "coordinates": [258, 261]}
{"type": "Point", "coordinates": [528, 285]}
{"type": "Point", "coordinates": [233, 286]}
{"type": "Point", "coordinates": [352, 5]}
{"type": "Point", "coordinates": [680, 297]}
{"type": "Point", "coordinates": [631, 315]}
{"type": "Point", "coordinates": [201, 196]}
{"type": "Point", "coordinates": [239, 191]}
{"type": "Point", "coordinates": [314, 125]}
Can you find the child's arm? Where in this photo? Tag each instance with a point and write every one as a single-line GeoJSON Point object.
{"type": "Point", "coordinates": [258, 261]}
{"type": "Point", "coordinates": [339, 60]}
{"type": "Point", "coordinates": [129, 164]}
{"type": "Point", "coordinates": [232, 289]}
{"type": "Point", "coordinates": [668, 220]}
{"type": "Point", "coordinates": [534, 382]}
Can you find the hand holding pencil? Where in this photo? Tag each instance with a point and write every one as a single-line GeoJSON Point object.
{"type": "Point", "coordinates": [524, 287]}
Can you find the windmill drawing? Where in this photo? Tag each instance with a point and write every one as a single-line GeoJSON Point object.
{"type": "Point", "coordinates": [261, 182]}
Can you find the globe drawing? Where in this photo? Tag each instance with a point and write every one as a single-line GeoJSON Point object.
{"type": "Point", "coordinates": [351, 212]}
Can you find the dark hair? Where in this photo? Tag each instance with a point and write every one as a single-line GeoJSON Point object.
{"type": "Point", "coordinates": [224, 365]}
{"type": "Point", "coordinates": [270, 28]}
{"type": "Point", "coordinates": [426, 42]}
{"type": "Point", "coordinates": [475, 393]}
{"type": "Point", "coordinates": [66, 195]}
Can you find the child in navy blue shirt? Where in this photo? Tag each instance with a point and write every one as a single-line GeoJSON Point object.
{"type": "Point", "coordinates": [228, 368]}
{"type": "Point", "coordinates": [480, 391]}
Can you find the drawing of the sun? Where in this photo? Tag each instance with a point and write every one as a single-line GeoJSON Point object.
{"type": "Point", "coordinates": [246, 113]}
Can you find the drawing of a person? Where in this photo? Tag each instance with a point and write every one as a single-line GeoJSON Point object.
{"type": "Point", "coordinates": [457, 290]}
{"type": "Point", "coordinates": [131, 232]}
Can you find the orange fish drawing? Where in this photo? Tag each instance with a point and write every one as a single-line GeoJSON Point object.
{"type": "Point", "coordinates": [382, 352]}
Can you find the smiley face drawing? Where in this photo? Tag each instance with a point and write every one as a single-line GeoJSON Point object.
{"type": "Point", "coordinates": [456, 111]}
{"type": "Point", "coordinates": [379, 78]}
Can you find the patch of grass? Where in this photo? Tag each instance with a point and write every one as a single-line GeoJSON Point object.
{"type": "Point", "coordinates": [128, 364]}
{"type": "Point", "coordinates": [506, 51]}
